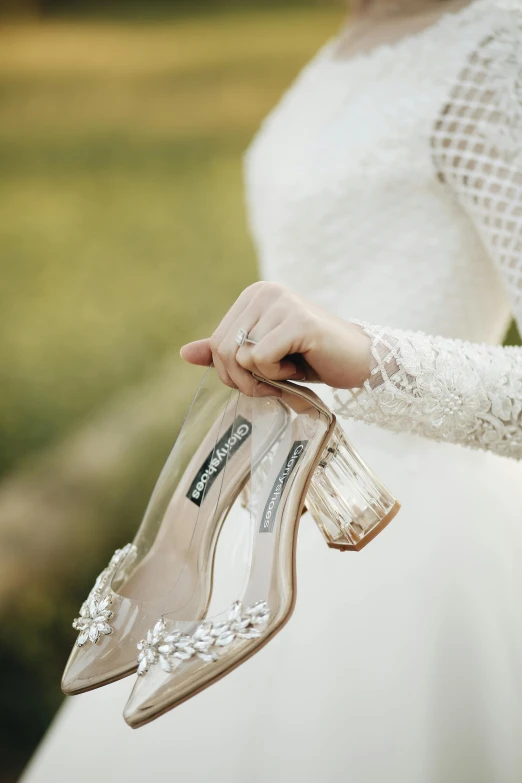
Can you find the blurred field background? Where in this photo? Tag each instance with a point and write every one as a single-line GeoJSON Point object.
{"type": "Point", "coordinates": [122, 235]}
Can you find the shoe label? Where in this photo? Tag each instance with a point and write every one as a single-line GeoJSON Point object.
{"type": "Point", "coordinates": [227, 445]}
{"type": "Point", "coordinates": [272, 504]}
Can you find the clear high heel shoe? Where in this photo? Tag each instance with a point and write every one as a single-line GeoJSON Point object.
{"type": "Point", "coordinates": [168, 567]}
{"type": "Point", "coordinates": [311, 462]}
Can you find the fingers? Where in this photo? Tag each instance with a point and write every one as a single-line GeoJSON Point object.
{"type": "Point", "coordinates": [241, 378]}
{"type": "Point", "coordinates": [223, 343]}
{"type": "Point", "coordinates": [234, 372]}
{"type": "Point", "coordinates": [249, 358]}
{"type": "Point", "coordinates": [221, 370]}
{"type": "Point", "coordinates": [264, 311]}
{"type": "Point", "coordinates": [269, 357]}
{"type": "Point", "coordinates": [235, 314]}
{"type": "Point", "coordinates": [200, 353]}
{"type": "Point", "coordinates": [224, 353]}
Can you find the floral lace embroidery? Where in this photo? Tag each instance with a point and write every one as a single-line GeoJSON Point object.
{"type": "Point", "coordinates": [443, 389]}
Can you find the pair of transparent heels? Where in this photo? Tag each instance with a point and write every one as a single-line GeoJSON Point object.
{"type": "Point", "coordinates": [148, 610]}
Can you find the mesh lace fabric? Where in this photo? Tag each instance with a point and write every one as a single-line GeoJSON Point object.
{"type": "Point", "coordinates": [448, 389]}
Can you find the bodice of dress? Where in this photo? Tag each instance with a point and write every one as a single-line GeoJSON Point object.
{"type": "Point", "coordinates": [388, 188]}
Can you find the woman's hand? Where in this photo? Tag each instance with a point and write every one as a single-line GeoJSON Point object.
{"type": "Point", "coordinates": [283, 324]}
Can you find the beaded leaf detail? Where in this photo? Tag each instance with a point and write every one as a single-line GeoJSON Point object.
{"type": "Point", "coordinates": [164, 647]}
{"type": "Point", "coordinates": [95, 614]}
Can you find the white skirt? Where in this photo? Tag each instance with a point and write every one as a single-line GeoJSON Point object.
{"type": "Point", "coordinates": [401, 663]}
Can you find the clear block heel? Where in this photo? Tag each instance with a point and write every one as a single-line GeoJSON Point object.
{"type": "Point", "coordinates": [346, 499]}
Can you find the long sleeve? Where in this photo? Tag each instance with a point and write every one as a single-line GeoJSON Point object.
{"type": "Point", "coordinates": [448, 389]}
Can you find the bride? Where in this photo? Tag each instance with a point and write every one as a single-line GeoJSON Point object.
{"type": "Point", "coordinates": [385, 188]}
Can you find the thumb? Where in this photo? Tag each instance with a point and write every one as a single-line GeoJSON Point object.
{"type": "Point", "coordinates": [197, 352]}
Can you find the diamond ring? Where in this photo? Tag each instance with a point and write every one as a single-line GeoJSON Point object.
{"type": "Point", "coordinates": [242, 338]}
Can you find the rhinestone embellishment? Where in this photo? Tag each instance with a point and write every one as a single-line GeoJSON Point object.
{"type": "Point", "coordinates": [208, 640]}
{"type": "Point", "coordinates": [93, 622]}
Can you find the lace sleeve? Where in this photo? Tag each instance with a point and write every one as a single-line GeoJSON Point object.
{"type": "Point", "coordinates": [442, 389]}
{"type": "Point", "coordinates": [447, 389]}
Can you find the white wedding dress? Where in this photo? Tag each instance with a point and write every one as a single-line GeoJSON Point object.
{"type": "Point", "coordinates": [386, 187]}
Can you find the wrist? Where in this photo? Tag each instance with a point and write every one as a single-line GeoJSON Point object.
{"type": "Point", "coordinates": [360, 356]}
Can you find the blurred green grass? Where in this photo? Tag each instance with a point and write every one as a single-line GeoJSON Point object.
{"type": "Point", "coordinates": [122, 235]}
{"type": "Point", "coordinates": [122, 231]}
